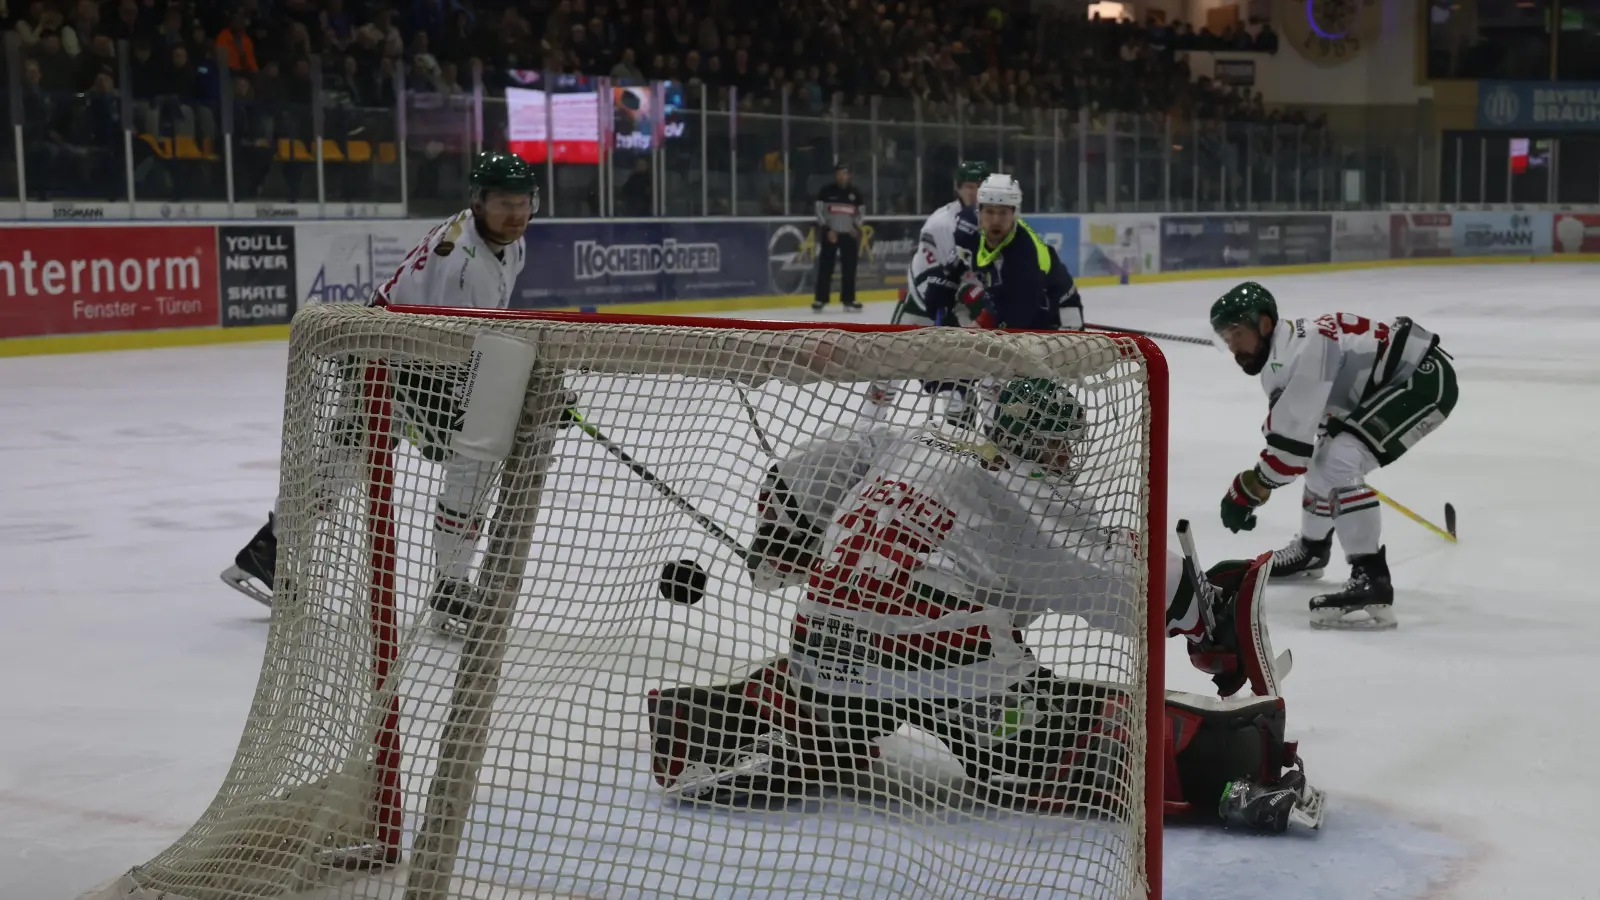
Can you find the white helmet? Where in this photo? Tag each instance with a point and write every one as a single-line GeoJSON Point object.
{"type": "Point", "coordinates": [1000, 190]}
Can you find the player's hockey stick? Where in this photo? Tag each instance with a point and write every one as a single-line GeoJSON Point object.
{"type": "Point", "coordinates": [1448, 532]}
{"type": "Point", "coordinates": [755, 423]}
{"type": "Point", "coordinates": [1158, 335]}
{"type": "Point", "coordinates": [572, 417]}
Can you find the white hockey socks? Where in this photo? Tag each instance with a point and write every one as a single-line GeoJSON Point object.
{"type": "Point", "coordinates": [1316, 516]}
{"type": "Point", "coordinates": [1356, 519]}
{"type": "Point", "coordinates": [458, 517]}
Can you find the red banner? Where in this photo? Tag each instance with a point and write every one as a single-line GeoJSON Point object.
{"type": "Point", "coordinates": [1577, 233]}
{"type": "Point", "coordinates": [1420, 234]}
{"type": "Point", "coordinates": [76, 280]}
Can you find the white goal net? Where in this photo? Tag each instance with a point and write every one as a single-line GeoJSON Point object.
{"type": "Point", "coordinates": [558, 722]}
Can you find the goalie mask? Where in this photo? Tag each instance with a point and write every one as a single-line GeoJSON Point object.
{"type": "Point", "coordinates": [1039, 421]}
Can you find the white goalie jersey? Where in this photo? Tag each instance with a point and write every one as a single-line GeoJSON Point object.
{"type": "Point", "coordinates": [1325, 366]}
{"type": "Point", "coordinates": [937, 553]}
{"type": "Point", "coordinates": [454, 266]}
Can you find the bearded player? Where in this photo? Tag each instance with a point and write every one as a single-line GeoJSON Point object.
{"type": "Point", "coordinates": [471, 259]}
{"type": "Point", "coordinates": [926, 554]}
{"type": "Point", "coordinates": [1346, 395]}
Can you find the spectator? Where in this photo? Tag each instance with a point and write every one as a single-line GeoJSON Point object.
{"type": "Point", "coordinates": [143, 71]}
{"type": "Point", "coordinates": [337, 29]}
{"type": "Point", "coordinates": [56, 69]}
{"type": "Point", "coordinates": [128, 24]}
{"type": "Point", "coordinates": [235, 47]}
{"type": "Point", "coordinates": [252, 138]}
{"type": "Point", "coordinates": [75, 36]}
{"type": "Point", "coordinates": [626, 69]}
{"type": "Point", "coordinates": [179, 79]}
{"type": "Point", "coordinates": [43, 144]}
{"type": "Point", "coordinates": [102, 56]}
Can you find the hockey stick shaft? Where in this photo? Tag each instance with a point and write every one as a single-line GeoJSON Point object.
{"type": "Point", "coordinates": [572, 417]}
{"type": "Point", "coordinates": [755, 423]}
{"type": "Point", "coordinates": [1448, 533]}
{"type": "Point", "coordinates": [1158, 335]}
{"type": "Point", "coordinates": [1191, 562]}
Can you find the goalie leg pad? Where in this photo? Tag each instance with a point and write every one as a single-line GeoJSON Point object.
{"type": "Point", "coordinates": [1227, 758]}
{"type": "Point", "coordinates": [764, 739]}
{"type": "Point", "coordinates": [1049, 744]}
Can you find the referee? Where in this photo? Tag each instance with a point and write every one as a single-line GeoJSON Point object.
{"type": "Point", "coordinates": [840, 208]}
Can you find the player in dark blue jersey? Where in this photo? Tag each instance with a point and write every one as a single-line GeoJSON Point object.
{"type": "Point", "coordinates": [1024, 283]}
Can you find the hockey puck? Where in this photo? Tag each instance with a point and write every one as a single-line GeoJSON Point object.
{"type": "Point", "coordinates": [683, 582]}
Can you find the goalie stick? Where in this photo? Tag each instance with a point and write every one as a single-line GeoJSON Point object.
{"type": "Point", "coordinates": [1283, 662]}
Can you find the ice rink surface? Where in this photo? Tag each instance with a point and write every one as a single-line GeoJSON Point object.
{"type": "Point", "coordinates": [1457, 751]}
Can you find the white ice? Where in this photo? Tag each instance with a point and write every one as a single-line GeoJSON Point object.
{"type": "Point", "coordinates": [1455, 750]}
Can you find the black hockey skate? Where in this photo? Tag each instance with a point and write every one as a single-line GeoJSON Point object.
{"type": "Point", "coordinates": [454, 604]}
{"type": "Point", "coordinates": [252, 571]}
{"type": "Point", "coordinates": [1303, 558]}
{"type": "Point", "coordinates": [818, 306]}
{"type": "Point", "coordinates": [1366, 603]}
{"type": "Point", "coordinates": [1270, 808]}
{"type": "Point", "coordinates": [851, 306]}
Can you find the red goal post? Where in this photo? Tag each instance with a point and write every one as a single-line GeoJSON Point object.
{"type": "Point", "coordinates": [373, 745]}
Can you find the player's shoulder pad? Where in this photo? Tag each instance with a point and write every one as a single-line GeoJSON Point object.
{"type": "Point", "coordinates": [451, 232]}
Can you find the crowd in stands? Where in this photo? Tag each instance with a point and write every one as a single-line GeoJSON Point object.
{"type": "Point", "coordinates": [1000, 57]}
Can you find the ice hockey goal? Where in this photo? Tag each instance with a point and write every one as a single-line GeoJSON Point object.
{"type": "Point", "coordinates": [385, 759]}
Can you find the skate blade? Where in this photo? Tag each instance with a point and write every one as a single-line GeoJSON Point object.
{"type": "Point", "coordinates": [448, 625]}
{"type": "Point", "coordinates": [247, 584]}
{"type": "Point", "coordinates": [1307, 811]}
{"type": "Point", "coordinates": [701, 783]}
{"type": "Point", "coordinates": [1368, 618]}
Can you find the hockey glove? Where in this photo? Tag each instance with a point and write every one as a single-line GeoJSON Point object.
{"type": "Point", "coordinates": [975, 300]}
{"type": "Point", "coordinates": [1239, 505]}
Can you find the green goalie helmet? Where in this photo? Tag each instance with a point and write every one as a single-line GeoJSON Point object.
{"type": "Point", "coordinates": [1036, 418]}
{"type": "Point", "coordinates": [972, 171]}
{"type": "Point", "coordinates": [494, 170]}
{"type": "Point", "coordinates": [1244, 305]}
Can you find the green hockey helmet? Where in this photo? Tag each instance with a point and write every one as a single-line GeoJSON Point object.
{"type": "Point", "coordinates": [972, 171]}
{"type": "Point", "coordinates": [1243, 307]}
{"type": "Point", "coordinates": [1037, 420]}
{"type": "Point", "coordinates": [494, 170]}
{"type": "Point", "coordinates": [1245, 304]}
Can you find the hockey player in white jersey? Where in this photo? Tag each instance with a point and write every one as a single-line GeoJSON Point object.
{"type": "Point", "coordinates": [1346, 395]}
{"type": "Point", "coordinates": [925, 555]}
{"type": "Point", "coordinates": [935, 276]}
{"type": "Point", "coordinates": [471, 259]}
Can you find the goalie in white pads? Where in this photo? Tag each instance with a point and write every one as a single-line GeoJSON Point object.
{"type": "Point", "coordinates": [471, 259]}
{"type": "Point", "coordinates": [925, 557]}
{"type": "Point", "coordinates": [1346, 396]}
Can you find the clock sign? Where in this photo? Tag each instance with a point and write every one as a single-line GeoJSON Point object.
{"type": "Point", "coordinates": [1329, 32]}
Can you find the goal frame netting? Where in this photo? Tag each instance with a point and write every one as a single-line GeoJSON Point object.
{"type": "Point", "coordinates": [789, 351]}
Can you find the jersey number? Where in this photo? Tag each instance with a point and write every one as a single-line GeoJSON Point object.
{"type": "Point", "coordinates": [1331, 326]}
{"type": "Point", "coordinates": [886, 538]}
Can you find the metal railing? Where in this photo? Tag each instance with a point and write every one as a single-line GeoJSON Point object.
{"type": "Point", "coordinates": [317, 144]}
